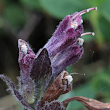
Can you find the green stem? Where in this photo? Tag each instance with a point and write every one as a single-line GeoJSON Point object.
{"type": "Point", "coordinates": [94, 17]}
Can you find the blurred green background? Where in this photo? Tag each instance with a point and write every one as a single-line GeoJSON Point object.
{"type": "Point", "coordinates": [36, 20]}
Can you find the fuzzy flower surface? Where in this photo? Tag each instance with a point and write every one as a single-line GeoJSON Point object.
{"type": "Point", "coordinates": [42, 76]}
{"type": "Point", "coordinates": [65, 47]}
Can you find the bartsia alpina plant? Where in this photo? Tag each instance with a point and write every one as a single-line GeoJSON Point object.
{"type": "Point", "coordinates": [42, 76]}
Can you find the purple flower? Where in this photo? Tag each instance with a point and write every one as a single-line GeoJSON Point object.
{"type": "Point", "coordinates": [67, 33]}
{"type": "Point", "coordinates": [65, 47]}
{"type": "Point", "coordinates": [67, 57]}
{"type": "Point", "coordinates": [38, 87]}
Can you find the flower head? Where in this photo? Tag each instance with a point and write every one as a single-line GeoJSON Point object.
{"type": "Point", "coordinates": [67, 33]}
{"type": "Point", "coordinates": [65, 47]}
{"type": "Point", "coordinates": [40, 83]}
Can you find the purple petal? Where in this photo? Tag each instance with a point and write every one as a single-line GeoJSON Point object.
{"type": "Point", "coordinates": [67, 33]}
{"type": "Point", "coordinates": [79, 31]}
{"type": "Point", "coordinates": [76, 19]}
{"type": "Point", "coordinates": [63, 26]}
{"type": "Point", "coordinates": [66, 57]}
{"type": "Point", "coordinates": [58, 36]}
{"type": "Point", "coordinates": [62, 42]}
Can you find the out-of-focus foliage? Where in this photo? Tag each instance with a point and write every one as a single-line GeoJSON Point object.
{"type": "Point", "coordinates": [101, 83]}
{"type": "Point", "coordinates": [15, 13]}
{"type": "Point", "coordinates": [33, 4]}
{"type": "Point", "coordinates": [96, 61]}
{"type": "Point", "coordinates": [61, 8]}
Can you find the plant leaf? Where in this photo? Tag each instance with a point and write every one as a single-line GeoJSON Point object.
{"type": "Point", "coordinates": [15, 15]}
{"type": "Point", "coordinates": [17, 95]}
{"type": "Point", "coordinates": [30, 3]}
{"type": "Point", "coordinates": [41, 71]}
{"type": "Point", "coordinates": [61, 8]}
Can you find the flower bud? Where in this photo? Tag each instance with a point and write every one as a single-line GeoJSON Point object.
{"type": "Point", "coordinates": [26, 59]}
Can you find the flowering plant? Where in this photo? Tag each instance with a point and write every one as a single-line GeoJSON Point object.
{"type": "Point", "coordinates": [42, 76]}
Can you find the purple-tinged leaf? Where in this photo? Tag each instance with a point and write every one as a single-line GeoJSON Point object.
{"type": "Point", "coordinates": [41, 72]}
{"type": "Point", "coordinates": [41, 66]}
{"type": "Point", "coordinates": [29, 91]}
{"type": "Point", "coordinates": [15, 92]}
